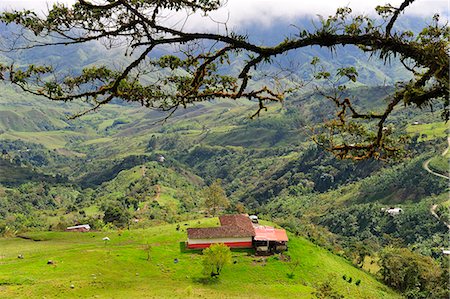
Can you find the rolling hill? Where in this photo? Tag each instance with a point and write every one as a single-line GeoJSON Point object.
{"type": "Point", "coordinates": [96, 268]}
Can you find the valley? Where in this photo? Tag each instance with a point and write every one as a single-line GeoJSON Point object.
{"type": "Point", "coordinates": [335, 131]}
{"type": "Point", "coordinates": [51, 180]}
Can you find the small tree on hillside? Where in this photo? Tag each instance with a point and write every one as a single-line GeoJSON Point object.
{"type": "Point", "coordinates": [215, 258]}
{"type": "Point", "coordinates": [148, 250]}
{"type": "Point", "coordinates": [117, 215]}
{"type": "Point", "coordinates": [240, 208]}
{"type": "Point", "coordinates": [215, 197]}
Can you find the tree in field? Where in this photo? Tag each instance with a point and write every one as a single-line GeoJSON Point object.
{"type": "Point", "coordinates": [417, 276]}
{"type": "Point", "coordinates": [215, 258]}
{"type": "Point", "coordinates": [215, 197]}
{"type": "Point", "coordinates": [197, 71]}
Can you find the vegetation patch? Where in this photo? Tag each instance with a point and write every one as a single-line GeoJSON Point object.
{"type": "Point", "coordinates": [429, 131]}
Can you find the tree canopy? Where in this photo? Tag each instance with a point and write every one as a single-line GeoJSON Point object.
{"type": "Point", "coordinates": [215, 197]}
{"type": "Point", "coordinates": [215, 258]}
{"type": "Point", "coordinates": [415, 275]}
{"type": "Point", "coordinates": [196, 71]}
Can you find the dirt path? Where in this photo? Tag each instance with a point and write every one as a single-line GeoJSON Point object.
{"type": "Point", "coordinates": [427, 162]}
{"type": "Point", "coordinates": [425, 166]}
{"type": "Point", "coordinates": [144, 170]}
{"type": "Point", "coordinates": [158, 192]}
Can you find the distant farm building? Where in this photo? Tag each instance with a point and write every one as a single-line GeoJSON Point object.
{"type": "Point", "coordinates": [238, 231]}
{"type": "Point", "coordinates": [394, 211]}
{"type": "Point", "coordinates": [79, 228]}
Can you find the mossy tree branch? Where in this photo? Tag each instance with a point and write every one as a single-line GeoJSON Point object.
{"type": "Point", "coordinates": [194, 73]}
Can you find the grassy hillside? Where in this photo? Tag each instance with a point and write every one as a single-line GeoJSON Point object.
{"type": "Point", "coordinates": [120, 269]}
{"type": "Point", "coordinates": [440, 164]}
{"type": "Point", "coordinates": [429, 131]}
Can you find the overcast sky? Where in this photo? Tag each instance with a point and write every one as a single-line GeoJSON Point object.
{"type": "Point", "coordinates": [239, 12]}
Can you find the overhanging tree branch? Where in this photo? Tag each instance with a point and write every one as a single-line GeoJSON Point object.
{"type": "Point", "coordinates": [194, 75]}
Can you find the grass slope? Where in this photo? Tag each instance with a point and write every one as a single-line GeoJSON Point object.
{"type": "Point", "coordinates": [429, 131]}
{"type": "Point", "coordinates": [119, 269]}
{"type": "Point", "coordinates": [440, 164]}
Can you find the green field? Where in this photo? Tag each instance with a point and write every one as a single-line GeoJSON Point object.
{"type": "Point", "coordinates": [119, 269]}
{"type": "Point", "coordinates": [440, 164]}
{"type": "Point", "coordinates": [429, 131]}
{"type": "Point", "coordinates": [49, 139]}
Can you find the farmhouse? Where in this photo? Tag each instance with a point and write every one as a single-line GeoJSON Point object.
{"type": "Point", "coordinates": [79, 228]}
{"type": "Point", "coordinates": [238, 231]}
{"type": "Point", "coordinates": [235, 231]}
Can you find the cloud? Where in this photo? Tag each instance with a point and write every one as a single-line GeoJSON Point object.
{"type": "Point", "coordinates": [265, 12]}
{"type": "Point", "coordinates": [38, 5]}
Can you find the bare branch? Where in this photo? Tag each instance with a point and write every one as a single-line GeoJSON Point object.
{"type": "Point", "coordinates": [394, 17]}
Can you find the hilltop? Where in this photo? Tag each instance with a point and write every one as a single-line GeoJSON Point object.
{"type": "Point", "coordinates": [95, 268]}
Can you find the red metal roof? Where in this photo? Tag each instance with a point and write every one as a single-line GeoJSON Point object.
{"type": "Point", "coordinates": [267, 233]}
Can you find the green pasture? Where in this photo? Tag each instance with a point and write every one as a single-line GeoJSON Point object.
{"type": "Point", "coordinates": [85, 266]}
{"type": "Point", "coordinates": [429, 131]}
{"type": "Point", "coordinates": [49, 139]}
